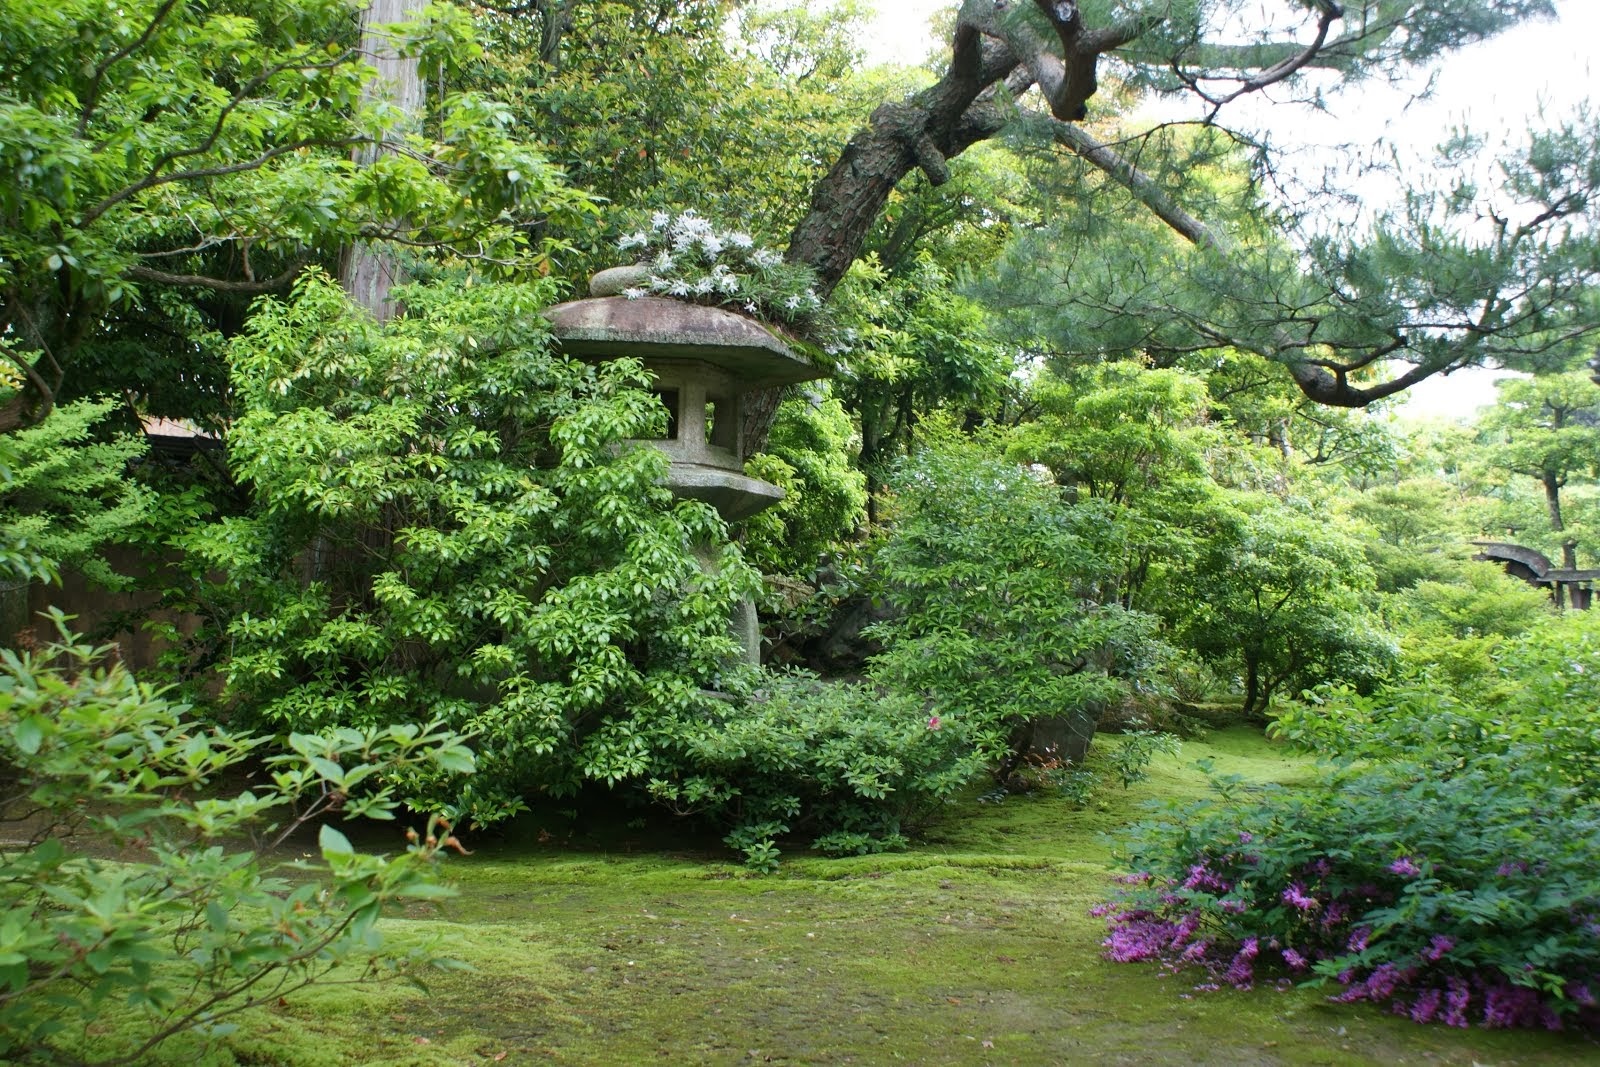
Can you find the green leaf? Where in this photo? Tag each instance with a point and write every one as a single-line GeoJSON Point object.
{"type": "Point", "coordinates": [29, 734]}
{"type": "Point", "coordinates": [334, 843]}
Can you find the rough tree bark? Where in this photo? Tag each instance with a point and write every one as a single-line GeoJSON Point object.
{"type": "Point", "coordinates": [368, 270]}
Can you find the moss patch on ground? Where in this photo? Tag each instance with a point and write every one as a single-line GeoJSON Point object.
{"type": "Point", "coordinates": [974, 948]}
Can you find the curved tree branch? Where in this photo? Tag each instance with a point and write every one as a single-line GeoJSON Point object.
{"type": "Point", "coordinates": [220, 285]}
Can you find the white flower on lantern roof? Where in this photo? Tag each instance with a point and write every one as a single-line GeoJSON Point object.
{"type": "Point", "coordinates": [633, 240]}
{"type": "Point", "coordinates": [657, 282]}
{"type": "Point", "coordinates": [679, 288]}
{"type": "Point", "coordinates": [663, 262]}
{"type": "Point", "coordinates": [691, 223]}
{"type": "Point", "coordinates": [792, 302]}
{"type": "Point", "coordinates": [660, 220]}
{"type": "Point", "coordinates": [683, 241]}
{"type": "Point", "coordinates": [727, 283]}
{"type": "Point", "coordinates": [764, 257]}
{"type": "Point", "coordinates": [739, 240]}
{"type": "Point", "coordinates": [711, 243]}
{"type": "Point", "coordinates": [704, 285]}
{"type": "Point", "coordinates": [750, 307]}
{"type": "Point", "coordinates": [633, 293]}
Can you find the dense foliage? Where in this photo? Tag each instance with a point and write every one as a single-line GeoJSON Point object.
{"type": "Point", "coordinates": [162, 912]}
{"type": "Point", "coordinates": [162, 162]}
{"type": "Point", "coordinates": [446, 517]}
{"type": "Point", "coordinates": [825, 497]}
{"type": "Point", "coordinates": [63, 497]}
{"type": "Point", "coordinates": [1002, 607]}
{"type": "Point", "coordinates": [1440, 863]}
{"type": "Point", "coordinates": [851, 766]}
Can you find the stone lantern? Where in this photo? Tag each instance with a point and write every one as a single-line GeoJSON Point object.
{"type": "Point", "coordinates": [704, 361]}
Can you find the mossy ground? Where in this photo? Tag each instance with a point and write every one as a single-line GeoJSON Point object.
{"type": "Point", "coordinates": [973, 948]}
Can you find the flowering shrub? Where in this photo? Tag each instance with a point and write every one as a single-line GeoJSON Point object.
{"type": "Point", "coordinates": [690, 259]}
{"type": "Point", "coordinates": [1450, 899]}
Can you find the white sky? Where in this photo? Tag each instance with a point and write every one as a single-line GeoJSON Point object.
{"type": "Point", "coordinates": [1496, 88]}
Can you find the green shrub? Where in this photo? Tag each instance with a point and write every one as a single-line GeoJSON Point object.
{"type": "Point", "coordinates": [64, 496]}
{"type": "Point", "coordinates": [808, 455]}
{"type": "Point", "coordinates": [1456, 627]}
{"type": "Point", "coordinates": [997, 587]}
{"type": "Point", "coordinates": [853, 767]}
{"type": "Point", "coordinates": [1132, 758]}
{"type": "Point", "coordinates": [447, 520]}
{"type": "Point", "coordinates": [184, 929]}
{"type": "Point", "coordinates": [1544, 704]}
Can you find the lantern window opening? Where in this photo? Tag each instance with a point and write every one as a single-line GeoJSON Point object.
{"type": "Point", "coordinates": [722, 423]}
{"type": "Point", "coordinates": [671, 400]}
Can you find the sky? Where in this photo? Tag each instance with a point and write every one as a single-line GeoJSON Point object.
{"type": "Point", "coordinates": [1496, 88]}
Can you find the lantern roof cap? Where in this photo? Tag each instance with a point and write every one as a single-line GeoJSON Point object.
{"type": "Point", "coordinates": [652, 328]}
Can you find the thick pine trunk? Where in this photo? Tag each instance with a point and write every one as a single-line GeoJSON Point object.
{"type": "Point", "coordinates": [921, 132]}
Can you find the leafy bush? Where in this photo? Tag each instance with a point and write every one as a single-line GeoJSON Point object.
{"type": "Point", "coordinates": [854, 766]}
{"type": "Point", "coordinates": [1457, 627]}
{"type": "Point", "coordinates": [807, 454]}
{"type": "Point", "coordinates": [1274, 592]}
{"type": "Point", "coordinates": [64, 496]}
{"type": "Point", "coordinates": [1543, 704]}
{"type": "Point", "coordinates": [997, 586]}
{"type": "Point", "coordinates": [1452, 899]}
{"type": "Point", "coordinates": [447, 517]}
{"type": "Point", "coordinates": [1131, 759]}
{"type": "Point", "coordinates": [182, 929]}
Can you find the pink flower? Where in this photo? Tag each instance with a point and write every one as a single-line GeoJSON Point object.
{"type": "Point", "coordinates": [933, 722]}
{"type": "Point", "coordinates": [1296, 896]}
{"type": "Point", "coordinates": [1405, 868]}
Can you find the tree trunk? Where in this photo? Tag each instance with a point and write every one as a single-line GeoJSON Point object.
{"type": "Point", "coordinates": [369, 270]}
{"type": "Point", "coordinates": [1552, 500]}
{"type": "Point", "coordinates": [1252, 684]}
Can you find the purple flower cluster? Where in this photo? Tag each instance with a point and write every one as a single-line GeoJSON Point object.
{"type": "Point", "coordinates": [1201, 917]}
{"type": "Point", "coordinates": [1295, 896]}
{"type": "Point", "coordinates": [1499, 1003]}
{"type": "Point", "coordinates": [1405, 867]}
{"type": "Point", "coordinates": [1438, 947]}
{"type": "Point", "coordinates": [1204, 878]}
